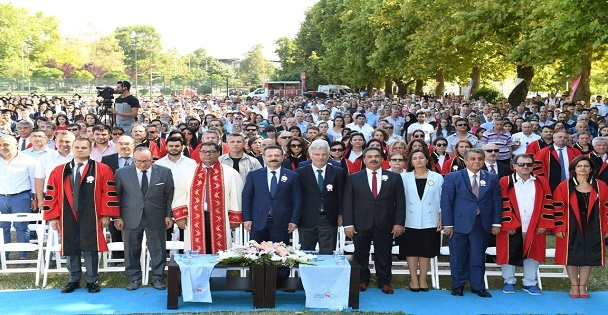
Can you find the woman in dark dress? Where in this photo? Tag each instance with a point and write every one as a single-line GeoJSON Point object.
{"type": "Point", "coordinates": [581, 224]}
{"type": "Point", "coordinates": [421, 240]}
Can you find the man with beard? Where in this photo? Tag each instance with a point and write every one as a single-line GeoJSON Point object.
{"type": "Point", "coordinates": [140, 136]}
{"type": "Point", "coordinates": [102, 146]}
{"type": "Point", "coordinates": [546, 139]}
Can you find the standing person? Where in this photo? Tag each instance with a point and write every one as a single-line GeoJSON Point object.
{"type": "Point", "coordinates": [522, 140]}
{"type": "Point", "coordinates": [422, 239]}
{"type": "Point", "coordinates": [79, 203]}
{"type": "Point", "coordinates": [502, 138]}
{"type": "Point", "coordinates": [462, 133]}
{"type": "Point", "coordinates": [397, 163]}
{"type": "Point", "coordinates": [553, 161]}
{"type": "Point", "coordinates": [17, 189]}
{"type": "Point", "coordinates": [599, 156]}
{"type": "Point", "coordinates": [272, 199]}
{"type": "Point", "coordinates": [145, 194]}
{"type": "Point", "coordinates": [374, 210]}
{"type": "Point", "coordinates": [236, 157]}
{"type": "Point", "coordinates": [491, 163]}
{"type": "Point", "coordinates": [527, 215]}
{"type": "Point", "coordinates": [422, 125]}
{"type": "Point", "coordinates": [581, 224]}
{"type": "Point", "coordinates": [126, 106]}
{"type": "Point", "coordinates": [322, 188]}
{"type": "Point", "coordinates": [440, 159]}
{"type": "Point", "coordinates": [546, 139]}
{"type": "Point", "coordinates": [471, 206]}
{"type": "Point", "coordinates": [102, 145]}
{"type": "Point", "coordinates": [207, 202]}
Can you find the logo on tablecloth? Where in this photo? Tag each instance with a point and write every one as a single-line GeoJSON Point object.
{"type": "Point", "coordinates": [199, 288]}
{"type": "Point", "coordinates": [322, 295]}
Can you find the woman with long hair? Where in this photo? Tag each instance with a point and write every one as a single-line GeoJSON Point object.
{"type": "Point", "coordinates": [255, 145]}
{"type": "Point", "coordinates": [297, 151]}
{"type": "Point", "coordinates": [336, 131]}
{"type": "Point", "coordinates": [440, 159]}
{"type": "Point", "coordinates": [191, 139]}
{"type": "Point", "coordinates": [348, 120]}
{"type": "Point", "coordinates": [460, 148]}
{"type": "Point", "coordinates": [444, 129]}
{"type": "Point", "coordinates": [422, 239]}
{"type": "Point", "coordinates": [77, 114]}
{"type": "Point", "coordinates": [353, 155]}
{"type": "Point", "coordinates": [295, 131]}
{"type": "Point", "coordinates": [581, 224]}
{"type": "Point", "coordinates": [397, 147]}
{"type": "Point", "coordinates": [583, 142]}
{"type": "Point", "coordinates": [62, 121]}
{"type": "Point", "coordinates": [91, 119]}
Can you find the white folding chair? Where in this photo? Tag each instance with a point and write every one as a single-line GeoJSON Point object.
{"type": "Point", "coordinates": [15, 265]}
{"type": "Point", "coordinates": [52, 246]}
{"type": "Point", "coordinates": [172, 246]}
{"type": "Point", "coordinates": [442, 268]}
{"type": "Point", "coordinates": [546, 270]}
{"type": "Point", "coordinates": [107, 258]}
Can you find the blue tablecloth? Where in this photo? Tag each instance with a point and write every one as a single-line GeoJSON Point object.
{"type": "Point", "coordinates": [196, 272]}
{"type": "Point", "coordinates": [326, 284]}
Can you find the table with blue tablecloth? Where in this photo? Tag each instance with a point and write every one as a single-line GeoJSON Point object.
{"type": "Point", "coordinates": [326, 283]}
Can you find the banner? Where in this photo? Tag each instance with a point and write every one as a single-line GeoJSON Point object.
{"type": "Point", "coordinates": [575, 83]}
{"type": "Point", "coordinates": [518, 81]}
{"type": "Point", "coordinates": [196, 272]}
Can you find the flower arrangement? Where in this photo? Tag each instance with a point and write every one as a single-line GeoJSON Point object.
{"type": "Point", "coordinates": [265, 253]}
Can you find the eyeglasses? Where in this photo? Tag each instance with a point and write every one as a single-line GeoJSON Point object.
{"type": "Point", "coordinates": [389, 127]}
{"type": "Point", "coordinates": [520, 164]}
{"type": "Point", "coordinates": [72, 129]}
{"type": "Point", "coordinates": [441, 145]}
{"type": "Point", "coordinates": [238, 118]}
{"type": "Point", "coordinates": [492, 150]}
{"type": "Point", "coordinates": [295, 145]}
{"type": "Point", "coordinates": [419, 136]}
{"type": "Point", "coordinates": [208, 152]}
{"type": "Point", "coordinates": [397, 160]}
{"type": "Point", "coordinates": [461, 125]}
{"type": "Point", "coordinates": [285, 137]}
{"type": "Point", "coordinates": [337, 150]}
{"type": "Point", "coordinates": [152, 132]}
{"type": "Point", "coordinates": [117, 133]}
{"type": "Point", "coordinates": [251, 129]}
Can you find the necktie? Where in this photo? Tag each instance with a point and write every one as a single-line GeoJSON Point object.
{"type": "Point", "coordinates": [492, 169]}
{"type": "Point", "coordinates": [474, 186]}
{"type": "Point", "coordinates": [562, 164]}
{"type": "Point", "coordinates": [208, 192]}
{"type": "Point", "coordinates": [320, 181]}
{"type": "Point", "coordinates": [273, 184]}
{"type": "Point", "coordinates": [22, 144]}
{"type": "Point", "coordinates": [374, 185]}
{"type": "Point", "coordinates": [144, 182]}
{"type": "Point", "coordinates": [126, 162]}
{"type": "Point", "coordinates": [76, 186]}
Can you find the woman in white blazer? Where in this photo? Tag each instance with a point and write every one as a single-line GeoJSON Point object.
{"type": "Point", "coordinates": [421, 240]}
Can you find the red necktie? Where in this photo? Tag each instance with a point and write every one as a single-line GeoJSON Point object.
{"type": "Point", "coordinates": [492, 170]}
{"type": "Point", "coordinates": [374, 185]}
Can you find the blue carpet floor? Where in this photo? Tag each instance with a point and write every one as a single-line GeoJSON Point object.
{"type": "Point", "coordinates": [147, 300]}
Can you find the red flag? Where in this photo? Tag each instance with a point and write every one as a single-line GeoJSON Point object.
{"type": "Point", "coordinates": [575, 83]}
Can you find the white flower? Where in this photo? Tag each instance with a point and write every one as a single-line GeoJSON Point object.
{"type": "Point", "coordinates": [329, 187]}
{"type": "Point", "coordinates": [430, 183]}
{"type": "Point", "coordinates": [283, 178]}
{"type": "Point", "coordinates": [455, 168]}
{"type": "Point", "coordinates": [482, 182]}
{"type": "Point", "coordinates": [90, 179]}
{"type": "Point", "coordinates": [384, 178]}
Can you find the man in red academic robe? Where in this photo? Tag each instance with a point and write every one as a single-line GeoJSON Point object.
{"type": "Point", "coordinates": [80, 199]}
{"type": "Point", "coordinates": [527, 214]}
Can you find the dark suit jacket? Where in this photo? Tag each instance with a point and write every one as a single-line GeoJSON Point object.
{"type": "Point", "coordinates": [111, 161]}
{"type": "Point", "coordinates": [503, 170]}
{"type": "Point", "coordinates": [459, 205]}
{"type": "Point", "coordinates": [330, 161]}
{"type": "Point", "coordinates": [330, 198]}
{"type": "Point", "coordinates": [257, 200]}
{"type": "Point", "coordinates": [156, 203]}
{"type": "Point", "coordinates": [364, 212]}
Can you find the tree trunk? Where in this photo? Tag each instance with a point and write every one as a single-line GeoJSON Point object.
{"type": "Point", "coordinates": [370, 89]}
{"type": "Point", "coordinates": [440, 87]}
{"type": "Point", "coordinates": [520, 92]}
{"type": "Point", "coordinates": [583, 92]}
{"type": "Point", "coordinates": [388, 87]}
{"type": "Point", "coordinates": [418, 89]}
{"type": "Point", "coordinates": [476, 77]}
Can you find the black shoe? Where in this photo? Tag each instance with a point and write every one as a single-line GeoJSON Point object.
{"type": "Point", "coordinates": [458, 291]}
{"type": "Point", "coordinates": [414, 289]}
{"type": "Point", "coordinates": [483, 293]}
{"type": "Point", "coordinates": [133, 285]}
{"type": "Point", "coordinates": [93, 287]}
{"type": "Point", "coordinates": [424, 289]}
{"type": "Point", "coordinates": [158, 284]}
{"type": "Point", "coordinates": [70, 287]}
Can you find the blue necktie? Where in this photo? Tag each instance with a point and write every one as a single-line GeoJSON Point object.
{"type": "Point", "coordinates": [273, 184]}
{"type": "Point", "coordinates": [562, 164]}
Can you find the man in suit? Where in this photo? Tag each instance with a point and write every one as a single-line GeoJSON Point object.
{"type": "Point", "coordinates": [553, 161]}
{"type": "Point", "coordinates": [125, 147]}
{"type": "Point", "coordinates": [374, 210]}
{"type": "Point", "coordinates": [491, 165]}
{"type": "Point", "coordinates": [322, 188]}
{"type": "Point", "coordinates": [272, 199]}
{"type": "Point", "coordinates": [145, 194]}
{"type": "Point", "coordinates": [471, 207]}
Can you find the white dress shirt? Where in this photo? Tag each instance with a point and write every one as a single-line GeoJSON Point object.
{"type": "Point", "coordinates": [20, 171]}
{"type": "Point", "coordinates": [566, 159]}
{"type": "Point", "coordinates": [140, 174]}
{"type": "Point", "coordinates": [179, 168]}
{"type": "Point", "coordinates": [378, 178]}
{"type": "Point", "coordinates": [525, 191]}
{"type": "Point", "coordinates": [269, 176]}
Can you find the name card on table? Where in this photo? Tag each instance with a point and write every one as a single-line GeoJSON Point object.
{"type": "Point", "coordinates": [196, 272]}
{"type": "Point", "coordinates": [326, 284]}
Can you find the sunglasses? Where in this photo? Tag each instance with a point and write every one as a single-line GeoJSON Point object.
{"type": "Point", "coordinates": [493, 150]}
{"type": "Point", "coordinates": [389, 127]}
{"type": "Point", "coordinates": [397, 160]}
{"type": "Point", "coordinates": [118, 134]}
{"type": "Point", "coordinates": [73, 129]}
{"type": "Point", "coordinates": [520, 164]}
{"type": "Point", "coordinates": [419, 136]}
{"type": "Point", "coordinates": [251, 129]}
{"type": "Point", "coordinates": [441, 145]}
{"type": "Point", "coordinates": [294, 145]}
{"type": "Point", "coordinates": [337, 150]}
{"type": "Point", "coordinates": [461, 125]}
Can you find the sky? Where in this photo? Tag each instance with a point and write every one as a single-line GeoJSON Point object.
{"type": "Point", "coordinates": [225, 29]}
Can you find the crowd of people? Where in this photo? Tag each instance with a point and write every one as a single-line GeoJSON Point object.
{"type": "Point", "coordinates": [390, 170]}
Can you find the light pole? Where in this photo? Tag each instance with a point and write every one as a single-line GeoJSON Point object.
{"type": "Point", "coordinates": [134, 43]}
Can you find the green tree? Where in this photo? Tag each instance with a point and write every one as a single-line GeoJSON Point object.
{"type": "Point", "coordinates": [82, 74]}
{"type": "Point", "coordinates": [255, 68]}
{"type": "Point", "coordinates": [105, 54]}
{"type": "Point", "coordinates": [116, 74]}
{"type": "Point", "coordinates": [287, 50]}
{"type": "Point", "coordinates": [47, 73]}
{"type": "Point", "coordinates": [142, 40]}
